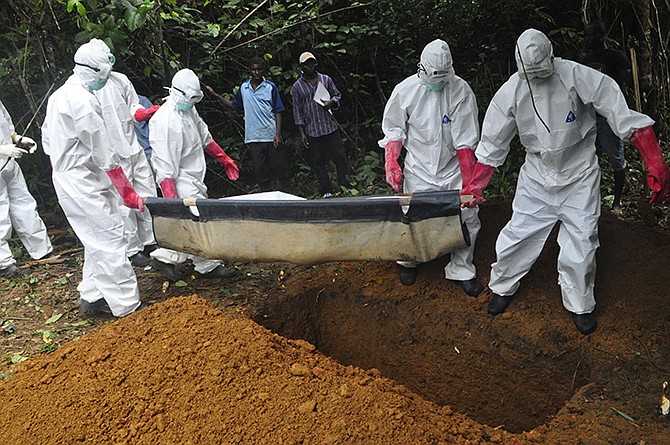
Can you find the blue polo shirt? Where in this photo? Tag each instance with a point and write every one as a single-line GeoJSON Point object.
{"type": "Point", "coordinates": [259, 106]}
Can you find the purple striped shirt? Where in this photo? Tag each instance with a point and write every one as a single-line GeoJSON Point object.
{"type": "Point", "coordinates": [308, 113]}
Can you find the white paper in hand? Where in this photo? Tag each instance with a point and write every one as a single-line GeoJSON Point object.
{"type": "Point", "coordinates": [321, 95]}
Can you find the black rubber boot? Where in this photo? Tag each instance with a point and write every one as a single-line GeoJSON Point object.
{"type": "Point", "coordinates": [139, 260]}
{"type": "Point", "coordinates": [585, 323]}
{"type": "Point", "coordinates": [149, 248]}
{"type": "Point", "coordinates": [619, 180]}
{"type": "Point", "coordinates": [407, 275]}
{"type": "Point", "coordinates": [498, 304]}
{"type": "Point", "coordinates": [97, 307]}
{"type": "Point", "coordinates": [166, 269]}
{"type": "Point", "coordinates": [472, 287]}
{"type": "Point", "coordinates": [220, 272]}
{"type": "Point", "coordinates": [14, 271]}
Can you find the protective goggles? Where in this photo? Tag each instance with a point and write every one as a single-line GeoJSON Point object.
{"type": "Point", "coordinates": [190, 98]}
{"type": "Point", "coordinates": [433, 75]}
{"type": "Point", "coordinates": [102, 73]}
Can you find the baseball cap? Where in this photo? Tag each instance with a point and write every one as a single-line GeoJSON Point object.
{"type": "Point", "coordinates": [304, 57]}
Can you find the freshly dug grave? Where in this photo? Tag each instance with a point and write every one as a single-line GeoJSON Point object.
{"type": "Point", "coordinates": [403, 365]}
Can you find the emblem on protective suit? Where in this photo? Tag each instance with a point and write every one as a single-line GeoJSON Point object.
{"type": "Point", "coordinates": [446, 119]}
{"type": "Point", "coordinates": [571, 117]}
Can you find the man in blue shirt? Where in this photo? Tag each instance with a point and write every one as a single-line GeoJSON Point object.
{"type": "Point", "coordinates": [259, 99]}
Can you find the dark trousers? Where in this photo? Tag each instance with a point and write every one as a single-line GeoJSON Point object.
{"type": "Point", "coordinates": [269, 164]}
{"type": "Point", "coordinates": [321, 150]}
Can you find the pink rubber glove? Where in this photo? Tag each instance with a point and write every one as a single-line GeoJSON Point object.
{"type": "Point", "coordinates": [481, 176]}
{"type": "Point", "coordinates": [213, 149]}
{"type": "Point", "coordinates": [127, 192]}
{"type": "Point", "coordinates": [144, 114]}
{"type": "Point", "coordinates": [658, 176]}
{"type": "Point", "coordinates": [393, 171]}
{"type": "Point", "coordinates": [168, 188]}
{"type": "Point", "coordinates": [466, 161]}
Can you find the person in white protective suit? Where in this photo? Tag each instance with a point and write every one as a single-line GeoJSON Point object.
{"type": "Point", "coordinates": [434, 115]}
{"type": "Point", "coordinates": [552, 105]}
{"type": "Point", "coordinates": [179, 139]}
{"type": "Point", "coordinates": [120, 110]}
{"type": "Point", "coordinates": [18, 209]}
{"type": "Point", "coordinates": [85, 171]}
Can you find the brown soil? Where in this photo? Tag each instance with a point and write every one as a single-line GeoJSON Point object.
{"type": "Point", "coordinates": [342, 353]}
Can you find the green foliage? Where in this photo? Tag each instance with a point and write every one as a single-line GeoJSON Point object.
{"type": "Point", "coordinates": [367, 47]}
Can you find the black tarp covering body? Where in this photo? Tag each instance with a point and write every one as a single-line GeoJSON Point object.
{"type": "Point", "coordinates": [418, 227]}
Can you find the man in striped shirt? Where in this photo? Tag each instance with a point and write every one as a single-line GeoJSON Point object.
{"type": "Point", "coordinates": [314, 97]}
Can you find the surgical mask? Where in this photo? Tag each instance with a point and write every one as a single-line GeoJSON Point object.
{"type": "Point", "coordinates": [537, 80]}
{"type": "Point", "coordinates": [98, 84]}
{"type": "Point", "coordinates": [112, 59]}
{"type": "Point", "coordinates": [435, 86]}
{"type": "Point", "coordinates": [184, 106]}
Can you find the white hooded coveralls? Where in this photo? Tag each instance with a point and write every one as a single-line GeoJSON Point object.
{"type": "Point", "coordinates": [75, 138]}
{"type": "Point", "coordinates": [559, 180]}
{"type": "Point", "coordinates": [178, 139]}
{"type": "Point", "coordinates": [18, 209]}
{"type": "Point", "coordinates": [119, 101]}
{"type": "Point", "coordinates": [432, 125]}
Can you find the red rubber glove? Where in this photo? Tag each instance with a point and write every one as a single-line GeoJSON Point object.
{"type": "Point", "coordinates": [481, 176]}
{"type": "Point", "coordinates": [213, 149]}
{"type": "Point", "coordinates": [168, 188]}
{"type": "Point", "coordinates": [393, 171]}
{"type": "Point", "coordinates": [127, 192]}
{"type": "Point", "coordinates": [144, 114]}
{"type": "Point", "coordinates": [658, 176]}
{"type": "Point", "coordinates": [466, 161]}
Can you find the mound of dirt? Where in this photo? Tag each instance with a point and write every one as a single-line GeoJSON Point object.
{"type": "Point", "coordinates": [183, 372]}
{"type": "Point", "coordinates": [346, 354]}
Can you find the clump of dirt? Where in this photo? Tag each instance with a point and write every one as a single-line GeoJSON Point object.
{"type": "Point", "coordinates": [351, 356]}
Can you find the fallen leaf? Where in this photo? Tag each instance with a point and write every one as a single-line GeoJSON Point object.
{"type": "Point", "coordinates": [48, 337]}
{"type": "Point", "coordinates": [625, 416]}
{"type": "Point", "coordinates": [17, 358]}
{"type": "Point", "coordinates": [54, 318]}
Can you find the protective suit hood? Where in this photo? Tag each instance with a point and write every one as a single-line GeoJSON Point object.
{"type": "Point", "coordinates": [436, 66]}
{"type": "Point", "coordinates": [185, 90]}
{"type": "Point", "coordinates": [104, 47]}
{"type": "Point", "coordinates": [534, 55]}
{"type": "Point", "coordinates": [92, 66]}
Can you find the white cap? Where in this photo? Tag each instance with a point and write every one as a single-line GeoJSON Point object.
{"type": "Point", "coordinates": [304, 57]}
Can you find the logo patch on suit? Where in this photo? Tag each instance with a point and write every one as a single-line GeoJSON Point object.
{"type": "Point", "coordinates": [446, 119]}
{"type": "Point", "coordinates": [571, 117]}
